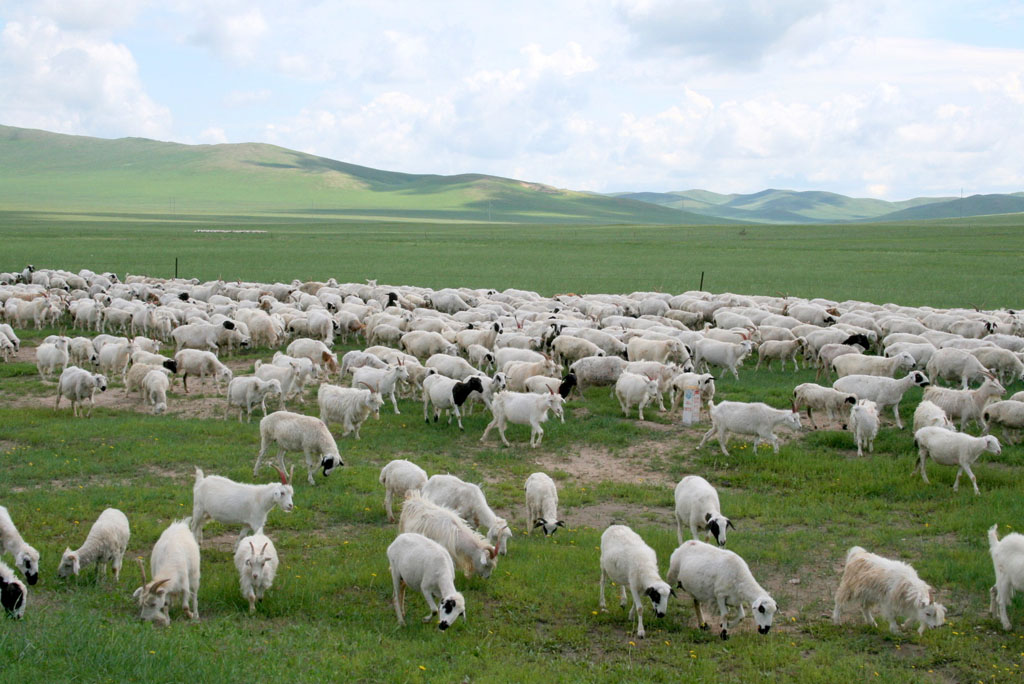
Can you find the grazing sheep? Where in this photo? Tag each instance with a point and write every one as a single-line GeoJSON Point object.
{"type": "Point", "coordinates": [929, 414]}
{"type": "Point", "coordinates": [174, 566]}
{"type": "Point", "coordinates": [697, 505]}
{"type": "Point", "coordinates": [467, 548]}
{"type": "Point", "coordinates": [419, 562]}
{"type": "Point", "coordinates": [296, 432]}
{"type": "Point", "coordinates": [154, 390]}
{"type": "Point", "coordinates": [1008, 562]}
{"type": "Point", "coordinates": [966, 404]}
{"type": "Point", "coordinates": [885, 392]}
{"type": "Point", "coordinates": [629, 562]}
{"type": "Point", "coordinates": [567, 349]}
{"type": "Point", "coordinates": [256, 562]}
{"type": "Point", "coordinates": [400, 477]}
{"type": "Point", "coordinates": [1005, 364]}
{"type": "Point", "coordinates": [360, 359]}
{"type": "Point", "coordinates": [77, 385]}
{"type": "Point", "coordinates": [468, 500]}
{"type": "Point", "coordinates": [138, 371]}
{"type": "Point", "coordinates": [542, 504]}
{"type": "Point", "coordinates": [105, 544]}
{"type": "Point", "coordinates": [953, 449]}
{"type": "Point", "coordinates": [424, 343]}
{"type": "Point", "coordinates": [864, 425]}
{"type": "Point", "coordinates": [290, 375]}
{"type": "Point", "coordinates": [870, 580]}
{"type": "Point", "coordinates": [324, 361]}
{"type": "Point", "coordinates": [234, 503]}
{"type": "Point", "coordinates": [249, 391]}
{"type": "Point", "coordinates": [759, 419]}
{"type": "Point", "coordinates": [26, 558]}
{"type": "Point", "coordinates": [13, 594]}
{"type": "Point", "coordinates": [716, 576]}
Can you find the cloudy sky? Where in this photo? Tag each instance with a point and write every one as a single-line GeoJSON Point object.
{"type": "Point", "coordinates": [869, 98]}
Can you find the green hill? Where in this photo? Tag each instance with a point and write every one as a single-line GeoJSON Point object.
{"type": "Point", "coordinates": [975, 205]}
{"type": "Point", "coordinates": [41, 171]}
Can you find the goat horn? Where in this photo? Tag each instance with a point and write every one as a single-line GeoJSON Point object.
{"type": "Point", "coordinates": [252, 547]}
{"type": "Point", "coordinates": [264, 547]}
{"type": "Point", "coordinates": [284, 479]}
{"type": "Point", "coordinates": [142, 568]}
{"type": "Point", "coordinates": [159, 583]}
{"type": "Point", "coordinates": [493, 553]}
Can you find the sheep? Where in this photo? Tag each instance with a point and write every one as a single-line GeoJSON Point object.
{"type": "Point", "coordinates": [296, 432]}
{"type": "Point", "coordinates": [468, 501]}
{"type": "Point", "coordinates": [1009, 414]}
{"type": "Point", "coordinates": [7, 349]}
{"type": "Point", "coordinates": [256, 568]}
{"type": "Point", "coordinates": [542, 504]}
{"type": "Point", "coordinates": [516, 373]}
{"type": "Point", "coordinates": [523, 408]}
{"type": "Point", "coordinates": [77, 385]}
{"type": "Point", "coordinates": [448, 394]}
{"type": "Point", "coordinates": [250, 391]}
{"type": "Point", "coordinates": [541, 384]}
{"type": "Point", "coordinates": [324, 361]}
{"type": "Point", "coordinates": [114, 358]}
{"type": "Point", "coordinates": [423, 343]}
{"type": "Point", "coordinates": [13, 594]}
{"type": "Point", "coordinates": [697, 505]}
{"type": "Point", "coordinates": [661, 372]}
{"type": "Point", "coordinates": [51, 356]}
{"type": "Point", "coordinates": [830, 352]}
{"type": "Point", "coordinates": [154, 390]}
{"type": "Point", "coordinates": [1008, 561]}
{"type": "Point", "coordinates": [921, 351]}
{"type": "Point", "coordinates": [400, 477]}
{"type": "Point", "coordinates": [885, 392]}
{"type": "Point", "coordinates": [80, 351]}
{"type": "Point", "coordinates": [453, 367]}
{"type": "Point", "coordinates": [234, 503]}
{"type": "Point", "coordinates": [506, 355]}
{"type": "Point", "coordinates": [174, 566]}
{"type": "Point", "coordinates": [611, 345]}
{"type": "Point", "coordinates": [480, 357]}
{"type": "Point", "coordinates": [7, 331]}
{"type": "Point", "coordinates": [421, 563]}
{"type": "Point", "coordinates": [724, 354]}
{"type": "Point", "coordinates": [1005, 364]}
{"type": "Point", "coordinates": [203, 335]}
{"type": "Point", "coordinates": [748, 419]}
{"type": "Point", "coordinates": [567, 349]}
{"type": "Point", "coordinates": [862, 364]}
{"type": "Point", "coordinates": [953, 449]}
{"type": "Point", "coordinates": [484, 337]}
{"type": "Point", "coordinates": [289, 375]}
{"type": "Point", "coordinates": [467, 548]}
{"type": "Point", "coordinates": [704, 382]}
{"type": "Point", "coordinates": [632, 388]}
{"type": "Point", "coordinates": [812, 396]}
{"type": "Point", "coordinates": [138, 371]}
{"type": "Point", "coordinates": [928, 414]}
{"type": "Point", "coordinates": [360, 359]}
{"type": "Point", "coordinates": [966, 404]}
{"type": "Point", "coordinates": [864, 425]}
{"type": "Point", "coordinates": [350, 406]}
{"type": "Point", "coordinates": [597, 371]}
{"type": "Point", "coordinates": [782, 350]}
{"type": "Point", "coordinates": [141, 356]}
{"type": "Point", "coordinates": [870, 580]}
{"type": "Point", "coordinates": [105, 544]}
{"type": "Point", "coordinates": [644, 349]}
{"type": "Point", "coordinates": [26, 558]}
{"type": "Point", "coordinates": [201, 363]}
{"type": "Point", "coordinates": [713, 575]}
{"type": "Point", "coordinates": [629, 562]}
{"type": "Point", "coordinates": [948, 363]}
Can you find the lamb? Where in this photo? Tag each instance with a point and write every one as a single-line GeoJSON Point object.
{"type": "Point", "coordinates": [966, 404]}
{"type": "Point", "coordinates": [1009, 414]}
{"type": "Point", "coordinates": [885, 392]}
{"type": "Point", "coordinates": [400, 477]}
{"type": "Point", "coordinates": [468, 501]}
{"type": "Point", "coordinates": [77, 385]}
{"type": "Point", "coordinates": [324, 361]}
{"type": "Point", "coordinates": [154, 390]}
{"type": "Point", "coordinates": [105, 544]}
{"type": "Point", "coordinates": [629, 562]}
{"type": "Point", "coordinates": [52, 355]}
{"type": "Point", "coordinates": [782, 350]}
{"type": "Point", "coordinates": [234, 503]}
{"type": "Point", "coordinates": [250, 391]}
{"type": "Point", "coordinates": [349, 406]}
{"type": "Point", "coordinates": [812, 396]}
{"type": "Point", "coordinates": [542, 504]}
{"type": "Point", "coordinates": [870, 580]}
{"type": "Point", "coordinates": [445, 393]}
{"type": "Point", "coordinates": [928, 414]}
{"type": "Point", "coordinates": [697, 505]}
{"type": "Point", "coordinates": [704, 382]}
{"type": "Point", "coordinates": [256, 568]}
{"type": "Point", "coordinates": [174, 567]}
{"type": "Point", "coordinates": [26, 558]}
{"type": "Point", "coordinates": [296, 432]}
{"type": "Point", "coordinates": [953, 449]}
{"type": "Point", "coordinates": [597, 371]}
{"type": "Point", "coordinates": [862, 364]}
{"type": "Point", "coordinates": [949, 363]}
{"type": "Point", "coordinates": [724, 354]}
{"type": "Point", "coordinates": [13, 594]}
{"type": "Point", "coordinates": [713, 575]}
{"type": "Point", "coordinates": [632, 389]}
{"type": "Point", "coordinates": [1008, 561]}
{"type": "Point", "coordinates": [201, 363]}
{"type": "Point", "coordinates": [467, 548]}
{"type": "Point", "coordinates": [864, 425]}
{"type": "Point", "coordinates": [748, 419]}
{"type": "Point", "coordinates": [421, 563]}
{"type": "Point", "coordinates": [523, 408]}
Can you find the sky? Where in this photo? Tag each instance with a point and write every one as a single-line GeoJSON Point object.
{"type": "Point", "coordinates": [868, 98]}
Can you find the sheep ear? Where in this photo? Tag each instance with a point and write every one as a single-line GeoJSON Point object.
{"type": "Point", "coordinates": [560, 523]}
{"type": "Point", "coordinates": [707, 517]}
{"type": "Point", "coordinates": [538, 522]}
{"type": "Point", "coordinates": [728, 523]}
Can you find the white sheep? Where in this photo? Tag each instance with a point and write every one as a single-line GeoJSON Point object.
{"type": "Point", "coordinates": [864, 425]}
{"type": "Point", "coordinates": [400, 477]}
{"type": "Point", "coordinates": [717, 576]}
{"type": "Point", "coordinates": [597, 371]}
{"type": "Point", "coordinates": [966, 404]}
{"type": "Point", "coordinates": [420, 563]}
{"type": "Point", "coordinates": [235, 503]}
{"type": "Point", "coordinates": [424, 343]}
{"type": "Point", "coordinates": [201, 363]}
{"type": "Point", "coordinates": [350, 406]}
{"type": "Point", "coordinates": [354, 359]}
{"type": "Point", "coordinates": [174, 566]}
{"type": "Point", "coordinates": [1009, 414]}
{"type": "Point", "coordinates": [759, 419]}
{"type": "Point", "coordinates": [885, 392]}
{"type": "Point", "coordinates": [815, 397]}
{"type": "Point", "coordinates": [296, 432]}
{"type": "Point", "coordinates": [949, 363]}
{"type": "Point", "coordinates": [870, 580]}
{"type": "Point", "coordinates": [77, 385]}
{"type": "Point", "coordinates": [516, 373]}
{"type": "Point", "coordinates": [105, 544]}
{"type": "Point", "coordinates": [662, 351]}
{"type": "Point", "coordinates": [506, 355]}
{"type": "Point", "coordinates": [154, 390]}
{"type": "Point", "coordinates": [630, 563]}
{"type": "Point", "coordinates": [203, 335]}
{"type": "Point", "coordinates": [1008, 561]}
{"type": "Point", "coordinates": [567, 349]}
{"type": "Point", "coordinates": [51, 356]}
{"type": "Point", "coordinates": [13, 594]}
{"type": "Point", "coordinates": [26, 558]}
{"type": "Point", "coordinates": [862, 364]}
{"type": "Point", "coordinates": [523, 408]}
{"type": "Point", "coordinates": [138, 371]}
{"type": "Point", "coordinates": [928, 414]}
{"type": "Point", "coordinates": [633, 389]}
{"type": "Point", "coordinates": [448, 394]}
{"type": "Point", "coordinates": [953, 449]}
{"type": "Point", "coordinates": [323, 359]}
{"type": "Point", "coordinates": [468, 500]}
{"type": "Point", "coordinates": [697, 506]}
{"type": "Point", "coordinates": [247, 392]}
{"type": "Point", "coordinates": [289, 375]}
{"type": "Point", "coordinates": [383, 382]}
{"type": "Point", "coordinates": [1004, 363]}
{"type": "Point", "coordinates": [704, 382]}
{"type": "Point", "coordinates": [726, 355]}
{"type": "Point", "coordinates": [782, 350]}
{"type": "Point", "coordinates": [256, 561]}
{"type": "Point", "coordinates": [542, 504]}
{"type": "Point", "coordinates": [467, 548]}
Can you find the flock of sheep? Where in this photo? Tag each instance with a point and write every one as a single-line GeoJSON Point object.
{"type": "Point", "coordinates": [521, 356]}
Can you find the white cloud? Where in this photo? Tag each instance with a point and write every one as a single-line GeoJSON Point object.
{"type": "Point", "coordinates": [246, 98]}
{"type": "Point", "coordinates": [233, 36]}
{"type": "Point", "coordinates": [213, 136]}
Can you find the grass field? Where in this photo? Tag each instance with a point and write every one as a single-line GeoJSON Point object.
{"type": "Point", "coordinates": [536, 619]}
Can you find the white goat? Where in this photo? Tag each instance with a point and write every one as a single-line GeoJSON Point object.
{"type": "Point", "coordinates": [697, 506]}
{"type": "Point", "coordinates": [966, 404]}
{"type": "Point", "coordinates": [105, 544]}
{"type": "Point", "coordinates": [400, 477]}
{"type": "Point", "coordinates": [781, 350]}
{"type": "Point", "coordinates": [349, 406]}
{"type": "Point", "coordinates": [468, 549]}
{"type": "Point", "coordinates": [632, 389]}
{"type": "Point", "coordinates": [296, 432]}
{"type": "Point", "coordinates": [383, 381]}
{"type": "Point", "coordinates": [629, 562]}
{"type": "Point", "coordinates": [288, 375]}
{"type": "Point", "coordinates": [256, 562]}
{"type": "Point", "coordinates": [726, 355]}
{"type": "Point", "coordinates": [717, 576]}
{"type": "Point", "coordinates": [468, 500]}
{"type": "Point", "coordinates": [523, 408]}
{"type": "Point", "coordinates": [234, 503]}
{"type": "Point", "coordinates": [1008, 562]}
{"type": "Point", "coordinates": [953, 449]}
{"type": "Point", "coordinates": [420, 563]}
{"type": "Point", "coordinates": [247, 392]}
{"type": "Point", "coordinates": [52, 355]}
{"type": "Point", "coordinates": [955, 364]}
{"type": "Point", "coordinates": [174, 566]}
{"type": "Point", "coordinates": [704, 382]}
{"type": "Point", "coordinates": [77, 385]}
{"type": "Point", "coordinates": [759, 419]}
{"type": "Point", "coordinates": [26, 558]}
{"type": "Point", "coordinates": [542, 504]}
{"type": "Point", "coordinates": [864, 425]}
{"type": "Point", "coordinates": [597, 371]}
{"type": "Point", "coordinates": [885, 392]}
{"type": "Point", "coordinates": [870, 580]}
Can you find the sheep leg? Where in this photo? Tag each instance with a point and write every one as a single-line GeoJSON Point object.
{"type": "Point", "coordinates": [536, 434]}
{"type": "Point", "coordinates": [638, 607]}
{"type": "Point", "coordinates": [868, 617]}
{"type": "Point", "coordinates": [388, 497]}
{"type": "Point", "coordinates": [723, 610]}
{"type": "Point", "coordinates": [896, 413]}
{"type": "Point", "coordinates": [487, 430]}
{"type": "Point", "coordinates": [707, 436]}
{"type": "Point", "coordinates": [431, 604]}
{"type": "Point", "coordinates": [640, 407]}
{"type": "Point", "coordinates": [194, 595]}
{"type": "Point", "coordinates": [309, 467]}
{"type": "Point", "coordinates": [1000, 593]}
{"type": "Point", "coordinates": [701, 622]}
{"type": "Point", "coordinates": [722, 439]}
{"type": "Point", "coordinates": [622, 405]}
{"type": "Point", "coordinates": [259, 457]}
{"type": "Point", "coordinates": [970, 474]}
{"type": "Point", "coordinates": [601, 603]}
{"type": "Point", "coordinates": [426, 403]}
{"type": "Point", "coordinates": [924, 455]}
{"type": "Point", "coordinates": [398, 598]}
{"type": "Point", "coordinates": [458, 416]}
{"type": "Point", "coordinates": [394, 402]}
{"type": "Point", "coordinates": [837, 613]}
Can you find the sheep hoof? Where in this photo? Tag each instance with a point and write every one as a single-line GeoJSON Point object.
{"type": "Point", "coordinates": [725, 635]}
{"type": "Point", "coordinates": [705, 627]}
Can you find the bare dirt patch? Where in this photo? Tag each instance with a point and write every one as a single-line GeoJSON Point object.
{"type": "Point", "coordinates": [597, 464]}
{"type": "Point", "coordinates": [600, 516]}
